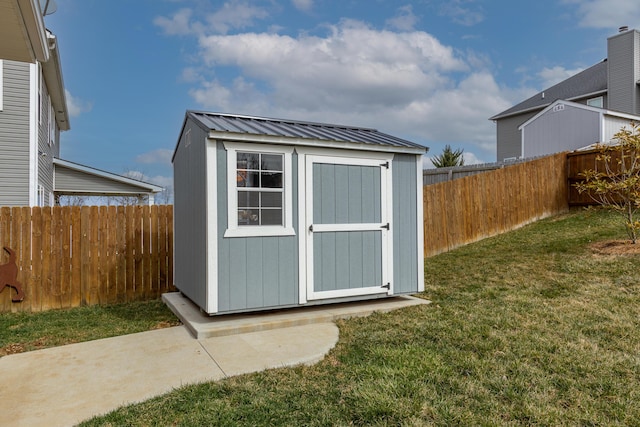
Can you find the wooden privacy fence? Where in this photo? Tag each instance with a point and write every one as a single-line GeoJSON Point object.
{"type": "Point", "coordinates": [469, 209]}
{"type": "Point", "coordinates": [71, 256]}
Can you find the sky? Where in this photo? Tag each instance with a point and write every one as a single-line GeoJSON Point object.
{"type": "Point", "coordinates": [430, 71]}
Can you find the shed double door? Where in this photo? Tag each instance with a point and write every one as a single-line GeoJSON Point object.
{"type": "Point", "coordinates": [348, 230]}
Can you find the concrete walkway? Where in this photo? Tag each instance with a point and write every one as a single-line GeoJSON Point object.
{"type": "Point", "coordinates": [62, 386]}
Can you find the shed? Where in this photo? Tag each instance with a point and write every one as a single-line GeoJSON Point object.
{"type": "Point", "coordinates": [272, 214]}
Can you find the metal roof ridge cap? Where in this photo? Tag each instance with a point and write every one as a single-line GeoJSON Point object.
{"type": "Point", "coordinates": [276, 120]}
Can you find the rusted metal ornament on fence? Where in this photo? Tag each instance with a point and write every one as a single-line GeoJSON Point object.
{"type": "Point", "coordinates": [9, 276]}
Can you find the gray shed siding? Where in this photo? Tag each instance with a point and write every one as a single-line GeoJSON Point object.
{"type": "Point", "coordinates": [567, 129]}
{"type": "Point", "coordinates": [190, 214]}
{"type": "Point", "coordinates": [14, 135]}
{"type": "Point", "coordinates": [509, 139]}
{"type": "Point", "coordinates": [405, 224]}
{"type": "Point", "coordinates": [624, 71]}
{"type": "Point", "coordinates": [255, 272]}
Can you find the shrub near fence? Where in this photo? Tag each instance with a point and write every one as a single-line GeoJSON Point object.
{"type": "Point", "coordinates": [469, 209]}
{"type": "Point", "coordinates": [71, 256]}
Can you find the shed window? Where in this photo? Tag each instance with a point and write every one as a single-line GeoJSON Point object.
{"type": "Point", "coordinates": [259, 190]}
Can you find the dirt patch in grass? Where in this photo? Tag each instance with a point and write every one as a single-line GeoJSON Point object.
{"type": "Point", "coordinates": [615, 247]}
{"type": "Point", "coordinates": [14, 348]}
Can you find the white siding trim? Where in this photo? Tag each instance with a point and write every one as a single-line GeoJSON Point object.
{"type": "Point", "coordinates": [420, 219]}
{"type": "Point", "coordinates": [303, 229]}
{"type": "Point", "coordinates": [212, 228]}
{"type": "Point", "coordinates": [34, 83]}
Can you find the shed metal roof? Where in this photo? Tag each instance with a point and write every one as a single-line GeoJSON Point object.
{"type": "Point", "coordinates": [308, 131]}
{"type": "Point", "coordinates": [590, 81]}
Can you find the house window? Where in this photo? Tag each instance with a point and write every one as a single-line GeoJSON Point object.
{"type": "Point", "coordinates": [259, 190]}
{"type": "Point", "coordinates": [596, 102]}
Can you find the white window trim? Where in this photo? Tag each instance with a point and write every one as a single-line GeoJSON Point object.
{"type": "Point", "coordinates": [233, 230]}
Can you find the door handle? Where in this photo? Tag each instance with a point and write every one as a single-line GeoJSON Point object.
{"type": "Point", "coordinates": [311, 228]}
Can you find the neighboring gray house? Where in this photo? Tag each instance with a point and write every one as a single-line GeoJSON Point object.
{"type": "Point", "coordinates": [280, 213]}
{"type": "Point", "coordinates": [33, 112]}
{"type": "Point", "coordinates": [607, 93]}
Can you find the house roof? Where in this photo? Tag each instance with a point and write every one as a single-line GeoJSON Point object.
{"type": "Point", "coordinates": [602, 111]}
{"type": "Point", "coordinates": [261, 129]}
{"type": "Point", "coordinates": [74, 178]}
{"type": "Point", "coordinates": [591, 81]}
{"type": "Point", "coordinates": [22, 31]}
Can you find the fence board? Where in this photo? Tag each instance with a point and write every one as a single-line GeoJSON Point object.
{"type": "Point", "coordinates": [73, 256]}
{"type": "Point", "coordinates": [468, 209]}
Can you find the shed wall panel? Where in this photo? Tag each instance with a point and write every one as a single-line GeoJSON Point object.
{"type": "Point", "coordinates": [405, 225]}
{"type": "Point", "coordinates": [14, 134]}
{"type": "Point", "coordinates": [255, 272]}
{"type": "Point", "coordinates": [190, 214]}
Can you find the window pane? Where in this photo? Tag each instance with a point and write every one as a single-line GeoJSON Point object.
{"type": "Point", "coordinates": [271, 179]}
{"type": "Point", "coordinates": [248, 217]}
{"type": "Point", "coordinates": [248, 161]}
{"type": "Point", "coordinates": [248, 179]}
{"type": "Point", "coordinates": [271, 200]}
{"type": "Point", "coordinates": [272, 217]}
{"type": "Point", "coordinates": [248, 199]}
{"type": "Point", "coordinates": [272, 162]}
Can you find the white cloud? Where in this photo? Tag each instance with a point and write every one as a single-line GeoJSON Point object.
{"type": "Point", "coordinates": [461, 13]}
{"type": "Point", "coordinates": [234, 14]}
{"type": "Point", "coordinates": [405, 83]}
{"type": "Point", "coordinates": [178, 24]}
{"type": "Point", "coordinates": [76, 106]}
{"type": "Point", "coordinates": [405, 20]}
{"type": "Point", "coordinates": [551, 76]}
{"type": "Point", "coordinates": [303, 5]}
{"type": "Point", "coordinates": [161, 156]}
{"type": "Point", "coordinates": [607, 14]}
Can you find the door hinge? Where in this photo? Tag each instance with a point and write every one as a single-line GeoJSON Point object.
{"type": "Point", "coordinates": [387, 226]}
{"type": "Point", "coordinates": [385, 165]}
{"type": "Point", "coordinates": [387, 286]}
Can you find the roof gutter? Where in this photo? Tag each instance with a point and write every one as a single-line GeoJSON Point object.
{"type": "Point", "coordinates": [52, 71]}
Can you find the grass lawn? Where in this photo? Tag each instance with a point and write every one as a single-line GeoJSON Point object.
{"type": "Point", "coordinates": [32, 331]}
{"type": "Point", "coordinates": [528, 328]}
